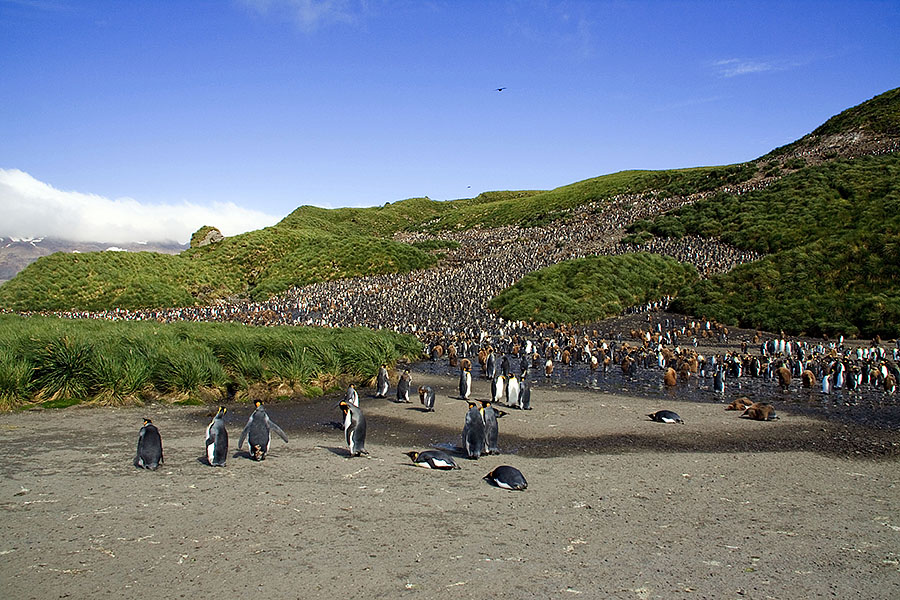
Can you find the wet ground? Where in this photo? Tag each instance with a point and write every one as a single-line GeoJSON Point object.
{"type": "Point", "coordinates": [868, 407]}
{"type": "Point", "coordinates": [839, 426]}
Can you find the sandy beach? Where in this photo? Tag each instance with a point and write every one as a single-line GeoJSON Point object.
{"type": "Point", "coordinates": [617, 506]}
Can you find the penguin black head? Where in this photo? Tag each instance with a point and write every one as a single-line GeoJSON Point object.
{"type": "Point", "coordinates": [257, 403]}
{"type": "Point", "coordinates": [147, 421]}
{"type": "Point", "coordinates": [471, 405]}
{"type": "Point", "coordinates": [344, 406]}
{"type": "Point", "coordinates": [412, 454]}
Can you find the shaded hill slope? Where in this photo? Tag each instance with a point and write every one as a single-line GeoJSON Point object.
{"type": "Point", "coordinates": [833, 237]}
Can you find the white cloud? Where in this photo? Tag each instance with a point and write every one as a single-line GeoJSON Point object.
{"type": "Point", "coordinates": [32, 208]}
{"type": "Point", "coordinates": [309, 15]}
{"type": "Point", "coordinates": [733, 67]}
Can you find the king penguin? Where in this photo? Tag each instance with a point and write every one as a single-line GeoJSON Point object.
{"type": "Point", "coordinates": [498, 388]}
{"type": "Point", "coordinates": [426, 397]}
{"type": "Point", "coordinates": [352, 396]}
{"type": "Point", "coordinates": [826, 384]}
{"type": "Point", "coordinates": [512, 392]}
{"type": "Point", "coordinates": [719, 381]}
{"type": "Point", "coordinates": [465, 382]}
{"type": "Point", "coordinates": [433, 459]}
{"type": "Point", "coordinates": [258, 429]}
{"type": "Point", "coordinates": [403, 387]}
{"type": "Point", "coordinates": [473, 432]}
{"type": "Point", "coordinates": [381, 383]}
{"type": "Point", "coordinates": [149, 447]}
{"type": "Point", "coordinates": [217, 440]}
{"type": "Point", "coordinates": [489, 415]}
{"type": "Point", "coordinates": [525, 393]}
{"type": "Point", "coordinates": [491, 365]}
{"type": "Point", "coordinates": [354, 428]}
{"type": "Point", "coordinates": [665, 416]}
{"type": "Point", "coordinates": [506, 477]}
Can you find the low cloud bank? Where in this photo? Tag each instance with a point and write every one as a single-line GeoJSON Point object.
{"type": "Point", "coordinates": [30, 209]}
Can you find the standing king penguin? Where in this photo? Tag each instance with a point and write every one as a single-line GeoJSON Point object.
{"type": "Point", "coordinates": [403, 387]}
{"type": "Point", "coordinates": [149, 447]}
{"type": "Point", "coordinates": [489, 416]}
{"type": "Point", "coordinates": [382, 382]}
{"type": "Point", "coordinates": [258, 429]}
{"type": "Point", "coordinates": [473, 432]}
{"type": "Point", "coordinates": [217, 440]}
{"type": "Point", "coordinates": [465, 382]}
{"type": "Point", "coordinates": [352, 396]}
{"type": "Point", "coordinates": [512, 392]}
{"type": "Point", "coordinates": [426, 396]}
{"type": "Point", "coordinates": [354, 428]}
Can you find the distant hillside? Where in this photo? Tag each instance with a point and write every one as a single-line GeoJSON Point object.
{"type": "Point", "coordinates": [18, 253]}
{"type": "Point", "coordinates": [313, 244]}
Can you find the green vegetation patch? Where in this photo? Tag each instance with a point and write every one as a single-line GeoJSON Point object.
{"type": "Point", "coordinates": [832, 233]}
{"type": "Point", "coordinates": [591, 289]}
{"type": "Point", "coordinates": [57, 362]}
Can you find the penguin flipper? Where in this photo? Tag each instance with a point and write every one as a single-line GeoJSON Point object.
{"type": "Point", "coordinates": [243, 435]}
{"type": "Point", "coordinates": [279, 431]}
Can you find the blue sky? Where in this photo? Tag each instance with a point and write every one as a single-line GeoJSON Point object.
{"type": "Point", "coordinates": [247, 109]}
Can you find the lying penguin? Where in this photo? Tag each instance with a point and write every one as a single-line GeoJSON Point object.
{"type": "Point", "coordinates": [760, 411]}
{"type": "Point", "coordinates": [506, 477]}
{"type": "Point", "coordinates": [666, 416]}
{"type": "Point", "coordinates": [433, 459]}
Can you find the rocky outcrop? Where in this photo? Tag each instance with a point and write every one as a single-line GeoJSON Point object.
{"type": "Point", "coordinates": [205, 236]}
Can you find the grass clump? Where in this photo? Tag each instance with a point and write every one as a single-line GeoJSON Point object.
{"type": "Point", "coordinates": [61, 362]}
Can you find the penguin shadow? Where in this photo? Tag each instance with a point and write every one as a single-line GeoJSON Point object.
{"type": "Point", "coordinates": [237, 454]}
{"type": "Point", "coordinates": [420, 409]}
{"type": "Point", "coordinates": [342, 452]}
{"type": "Point", "coordinates": [452, 449]}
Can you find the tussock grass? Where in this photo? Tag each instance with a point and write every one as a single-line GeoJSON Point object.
{"type": "Point", "coordinates": [591, 289]}
{"type": "Point", "coordinates": [59, 362]}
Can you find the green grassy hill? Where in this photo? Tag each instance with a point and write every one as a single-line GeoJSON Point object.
{"type": "Point", "coordinates": [832, 234]}
{"type": "Point", "coordinates": [314, 244]}
{"type": "Point", "coordinates": [593, 288]}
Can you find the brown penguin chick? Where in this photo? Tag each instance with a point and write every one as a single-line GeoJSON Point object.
{"type": "Point", "coordinates": [670, 378]}
{"type": "Point", "coordinates": [808, 379]}
{"type": "Point", "coordinates": [784, 377]}
{"type": "Point", "coordinates": [760, 411]}
{"type": "Point", "coordinates": [742, 403]}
